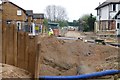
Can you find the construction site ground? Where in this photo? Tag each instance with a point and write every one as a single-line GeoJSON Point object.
{"type": "Point", "coordinates": [73, 57]}
{"type": "Point", "coordinates": [60, 57]}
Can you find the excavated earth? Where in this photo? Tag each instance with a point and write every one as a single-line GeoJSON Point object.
{"type": "Point", "coordinates": [60, 57]}
{"type": "Point", "coordinates": [8, 72]}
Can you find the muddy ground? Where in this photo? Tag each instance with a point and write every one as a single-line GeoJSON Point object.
{"type": "Point", "coordinates": [59, 57]}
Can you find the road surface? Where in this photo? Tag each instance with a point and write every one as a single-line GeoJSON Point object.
{"type": "Point", "coordinates": [74, 34]}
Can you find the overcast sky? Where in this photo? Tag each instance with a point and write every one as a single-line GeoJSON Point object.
{"type": "Point", "coordinates": [74, 8]}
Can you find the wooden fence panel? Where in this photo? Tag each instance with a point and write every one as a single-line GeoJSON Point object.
{"type": "Point", "coordinates": [3, 43]}
{"type": "Point", "coordinates": [19, 49]}
{"type": "Point", "coordinates": [32, 54]}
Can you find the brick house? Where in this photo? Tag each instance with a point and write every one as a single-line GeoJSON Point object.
{"type": "Point", "coordinates": [38, 20]}
{"type": "Point", "coordinates": [13, 14]}
{"type": "Point", "coordinates": [29, 14]}
{"type": "Point", "coordinates": [29, 21]}
{"type": "Point", "coordinates": [107, 22]}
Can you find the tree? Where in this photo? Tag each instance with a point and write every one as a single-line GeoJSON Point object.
{"type": "Point", "coordinates": [55, 13]}
{"type": "Point", "coordinates": [87, 22]}
{"type": "Point", "coordinates": [75, 23]}
{"type": "Point", "coordinates": [45, 22]}
{"type": "Point", "coordinates": [91, 21]}
{"type": "Point", "coordinates": [83, 21]}
{"type": "Point", "coordinates": [63, 23]}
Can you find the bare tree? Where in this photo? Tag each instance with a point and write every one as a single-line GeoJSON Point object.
{"type": "Point", "coordinates": [55, 13]}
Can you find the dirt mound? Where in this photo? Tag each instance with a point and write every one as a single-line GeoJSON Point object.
{"type": "Point", "coordinates": [71, 58]}
{"type": "Point", "coordinates": [9, 71]}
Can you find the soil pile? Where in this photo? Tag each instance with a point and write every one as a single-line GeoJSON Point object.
{"type": "Point", "coordinates": [59, 57]}
{"type": "Point", "coordinates": [8, 71]}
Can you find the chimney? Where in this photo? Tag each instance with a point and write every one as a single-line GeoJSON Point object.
{"type": "Point", "coordinates": [99, 3]}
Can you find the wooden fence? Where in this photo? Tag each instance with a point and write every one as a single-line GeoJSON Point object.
{"type": "Point", "coordinates": [19, 49]}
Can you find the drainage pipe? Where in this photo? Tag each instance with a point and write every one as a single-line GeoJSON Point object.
{"type": "Point", "coordinates": [83, 76]}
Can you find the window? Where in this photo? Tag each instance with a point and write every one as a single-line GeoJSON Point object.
{"type": "Point", "coordinates": [19, 12]}
{"type": "Point", "coordinates": [114, 7]}
{"type": "Point", "coordinates": [97, 12]}
{"type": "Point", "coordinates": [118, 25]}
{"type": "Point", "coordinates": [18, 25]}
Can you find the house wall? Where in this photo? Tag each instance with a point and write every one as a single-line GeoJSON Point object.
{"type": "Point", "coordinates": [104, 13]}
{"type": "Point", "coordinates": [117, 29]}
{"type": "Point", "coordinates": [30, 20]}
{"type": "Point", "coordinates": [38, 21]}
{"type": "Point", "coordinates": [118, 7]}
{"type": "Point", "coordinates": [107, 23]}
{"type": "Point", "coordinates": [113, 13]}
{"type": "Point", "coordinates": [10, 12]}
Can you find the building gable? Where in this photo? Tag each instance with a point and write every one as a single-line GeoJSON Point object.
{"type": "Point", "coordinates": [14, 5]}
{"type": "Point", "coordinates": [13, 12]}
{"type": "Point", "coordinates": [108, 2]}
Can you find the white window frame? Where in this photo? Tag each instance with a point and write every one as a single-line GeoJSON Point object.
{"type": "Point", "coordinates": [19, 12]}
{"type": "Point", "coordinates": [19, 27]}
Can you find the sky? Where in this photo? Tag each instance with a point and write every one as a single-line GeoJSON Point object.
{"type": "Point", "coordinates": [74, 8]}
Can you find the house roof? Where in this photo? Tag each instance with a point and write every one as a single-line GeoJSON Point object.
{"type": "Point", "coordinates": [107, 2]}
{"type": "Point", "coordinates": [38, 16]}
{"type": "Point", "coordinates": [112, 0]}
{"type": "Point", "coordinates": [13, 4]}
{"type": "Point", "coordinates": [29, 12]}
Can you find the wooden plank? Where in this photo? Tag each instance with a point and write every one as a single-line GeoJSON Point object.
{"type": "Point", "coordinates": [6, 43]}
{"type": "Point", "coordinates": [21, 56]}
{"type": "Point", "coordinates": [37, 65]}
{"type": "Point", "coordinates": [3, 42]}
{"type": "Point", "coordinates": [26, 50]}
{"type": "Point", "coordinates": [32, 55]}
{"type": "Point", "coordinates": [10, 59]}
{"type": "Point", "coordinates": [0, 42]}
{"type": "Point", "coordinates": [15, 44]}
